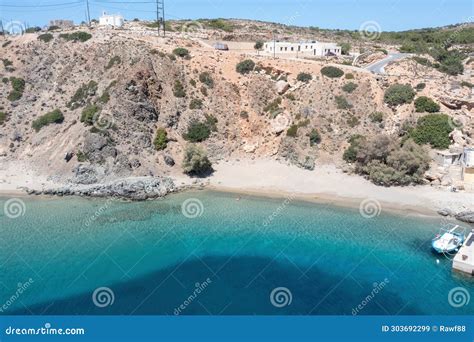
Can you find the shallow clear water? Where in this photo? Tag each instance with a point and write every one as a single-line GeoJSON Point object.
{"type": "Point", "coordinates": [152, 257]}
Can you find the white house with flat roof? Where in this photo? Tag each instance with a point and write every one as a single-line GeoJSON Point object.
{"type": "Point", "coordinates": [308, 48]}
{"type": "Point", "coordinates": [111, 20]}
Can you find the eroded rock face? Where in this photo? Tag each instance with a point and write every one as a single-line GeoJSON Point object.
{"type": "Point", "coordinates": [97, 148]}
{"type": "Point", "coordinates": [84, 174]}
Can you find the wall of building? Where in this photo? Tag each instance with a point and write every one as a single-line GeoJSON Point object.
{"type": "Point", "coordinates": [468, 175]}
{"type": "Point", "coordinates": [305, 48]}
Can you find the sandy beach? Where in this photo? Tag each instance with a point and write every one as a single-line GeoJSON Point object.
{"type": "Point", "coordinates": [329, 184]}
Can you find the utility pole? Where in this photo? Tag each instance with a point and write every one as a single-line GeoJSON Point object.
{"type": "Point", "coordinates": [88, 13]}
{"type": "Point", "coordinates": [160, 16]}
{"type": "Point", "coordinates": [274, 45]}
{"type": "Point", "coordinates": [3, 30]}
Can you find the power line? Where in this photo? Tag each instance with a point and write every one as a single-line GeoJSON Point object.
{"type": "Point", "coordinates": [42, 5]}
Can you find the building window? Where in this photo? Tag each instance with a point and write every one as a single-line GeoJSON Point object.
{"type": "Point", "coordinates": [281, 49]}
{"type": "Point", "coordinates": [292, 48]}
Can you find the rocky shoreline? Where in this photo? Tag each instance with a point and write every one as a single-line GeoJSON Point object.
{"type": "Point", "coordinates": [463, 216]}
{"type": "Point", "coordinates": [135, 189]}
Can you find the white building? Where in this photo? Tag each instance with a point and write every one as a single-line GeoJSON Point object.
{"type": "Point", "coordinates": [111, 20]}
{"type": "Point", "coordinates": [308, 48]}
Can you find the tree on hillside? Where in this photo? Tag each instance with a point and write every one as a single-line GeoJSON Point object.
{"type": "Point", "coordinates": [258, 46]}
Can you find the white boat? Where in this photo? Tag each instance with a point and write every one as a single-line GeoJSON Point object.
{"type": "Point", "coordinates": [449, 241]}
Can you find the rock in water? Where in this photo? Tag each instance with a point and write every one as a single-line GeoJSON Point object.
{"type": "Point", "coordinates": [465, 216]}
{"type": "Point", "coordinates": [445, 212]}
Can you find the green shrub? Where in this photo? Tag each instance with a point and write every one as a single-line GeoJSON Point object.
{"type": "Point", "coordinates": [353, 121]}
{"type": "Point", "coordinates": [244, 115]}
{"type": "Point", "coordinates": [181, 52]}
{"type": "Point", "coordinates": [45, 37]}
{"type": "Point", "coordinates": [33, 29]}
{"type": "Point", "coordinates": [105, 97]}
{"type": "Point", "coordinates": [14, 95]}
{"type": "Point", "coordinates": [81, 94]}
{"type": "Point", "coordinates": [258, 45]}
{"type": "Point", "coordinates": [422, 61]}
{"type": "Point", "coordinates": [342, 103]}
{"type": "Point", "coordinates": [114, 60]}
{"type": "Point", "coordinates": [6, 62]}
{"type": "Point", "coordinates": [5, 80]}
{"type": "Point", "coordinates": [178, 89]}
{"type": "Point", "coordinates": [314, 137]}
{"type": "Point", "coordinates": [195, 161]}
{"type": "Point", "coordinates": [274, 106]}
{"type": "Point", "coordinates": [292, 131]}
{"type": "Point", "coordinates": [349, 87]}
{"type": "Point", "coordinates": [211, 122]}
{"type": "Point", "coordinates": [76, 36]}
{"type": "Point", "coordinates": [349, 76]}
{"type": "Point", "coordinates": [345, 48]}
{"type": "Point", "coordinates": [81, 157]}
{"type": "Point", "coordinates": [88, 113]}
{"type": "Point", "coordinates": [245, 66]}
{"type": "Point", "coordinates": [425, 104]}
{"type": "Point", "coordinates": [18, 84]}
{"type": "Point", "coordinates": [161, 139]}
{"type": "Point", "coordinates": [206, 78]}
{"type": "Point", "coordinates": [399, 94]}
{"type": "Point", "coordinates": [332, 72]}
{"type": "Point", "coordinates": [304, 77]}
{"type": "Point", "coordinates": [52, 117]}
{"type": "Point", "coordinates": [197, 132]}
{"type": "Point", "coordinates": [376, 117]}
{"type": "Point", "coordinates": [420, 86]}
{"type": "Point", "coordinates": [3, 118]}
{"type": "Point", "coordinates": [195, 104]}
{"type": "Point", "coordinates": [53, 28]}
{"type": "Point", "coordinates": [467, 84]}
{"type": "Point", "coordinates": [350, 154]}
{"type": "Point", "coordinates": [385, 162]}
{"type": "Point", "coordinates": [219, 24]}
{"type": "Point", "coordinates": [433, 129]}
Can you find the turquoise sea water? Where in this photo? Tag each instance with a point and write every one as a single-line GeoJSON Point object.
{"type": "Point", "coordinates": [228, 260]}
